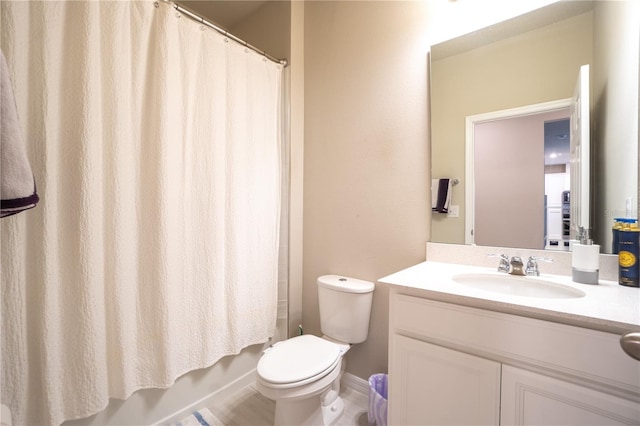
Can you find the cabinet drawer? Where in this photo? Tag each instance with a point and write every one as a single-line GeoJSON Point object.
{"type": "Point", "coordinates": [589, 355]}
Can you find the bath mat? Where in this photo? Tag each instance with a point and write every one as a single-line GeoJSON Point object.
{"type": "Point", "coordinates": [202, 417]}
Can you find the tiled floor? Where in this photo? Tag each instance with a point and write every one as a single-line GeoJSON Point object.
{"type": "Point", "coordinates": [247, 407]}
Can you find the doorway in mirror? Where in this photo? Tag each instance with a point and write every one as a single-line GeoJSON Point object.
{"type": "Point", "coordinates": [515, 196]}
{"type": "Point", "coordinates": [557, 183]}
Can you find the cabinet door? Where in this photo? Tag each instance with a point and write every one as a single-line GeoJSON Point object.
{"type": "Point", "coordinates": [554, 223]}
{"type": "Point", "coordinates": [533, 399]}
{"type": "Point", "coordinates": [432, 385]}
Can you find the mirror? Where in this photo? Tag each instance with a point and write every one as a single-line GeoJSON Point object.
{"type": "Point", "coordinates": [531, 60]}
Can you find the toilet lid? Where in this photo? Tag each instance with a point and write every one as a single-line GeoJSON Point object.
{"type": "Point", "coordinates": [297, 359]}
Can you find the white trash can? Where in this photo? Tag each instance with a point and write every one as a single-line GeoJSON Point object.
{"type": "Point", "coordinates": [378, 395]}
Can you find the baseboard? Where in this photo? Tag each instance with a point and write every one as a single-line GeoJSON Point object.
{"type": "Point", "coordinates": [241, 382]}
{"type": "Point", "coordinates": [355, 383]}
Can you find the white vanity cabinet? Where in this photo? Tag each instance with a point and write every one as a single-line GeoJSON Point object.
{"type": "Point", "coordinates": [452, 364]}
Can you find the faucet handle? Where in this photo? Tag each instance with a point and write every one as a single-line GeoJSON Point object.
{"type": "Point", "coordinates": [532, 265]}
{"type": "Point", "coordinates": [504, 265]}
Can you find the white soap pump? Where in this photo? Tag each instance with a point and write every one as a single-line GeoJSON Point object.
{"type": "Point", "coordinates": [585, 259]}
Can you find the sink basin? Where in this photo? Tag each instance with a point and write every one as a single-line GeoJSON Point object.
{"type": "Point", "coordinates": [518, 286]}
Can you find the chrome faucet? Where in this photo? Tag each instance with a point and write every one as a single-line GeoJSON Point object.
{"type": "Point", "coordinates": [516, 266]}
{"type": "Point", "coordinates": [511, 266]}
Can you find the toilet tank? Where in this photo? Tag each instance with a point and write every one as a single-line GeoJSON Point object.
{"type": "Point", "coordinates": [345, 307]}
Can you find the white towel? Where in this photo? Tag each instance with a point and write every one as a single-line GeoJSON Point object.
{"type": "Point", "coordinates": [17, 186]}
{"type": "Point", "coordinates": [434, 193]}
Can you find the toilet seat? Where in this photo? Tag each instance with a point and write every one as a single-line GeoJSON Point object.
{"type": "Point", "coordinates": [297, 361]}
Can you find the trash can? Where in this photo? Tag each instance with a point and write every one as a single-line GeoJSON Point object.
{"type": "Point", "coordinates": [378, 395]}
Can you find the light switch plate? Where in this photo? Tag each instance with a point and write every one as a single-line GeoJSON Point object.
{"type": "Point", "coordinates": [454, 211]}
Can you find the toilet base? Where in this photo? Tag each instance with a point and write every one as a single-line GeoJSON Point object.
{"type": "Point", "coordinates": [331, 413]}
{"type": "Point", "coordinates": [308, 411]}
{"type": "Point", "coordinates": [322, 408]}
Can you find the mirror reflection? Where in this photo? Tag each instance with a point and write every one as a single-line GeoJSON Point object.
{"type": "Point", "coordinates": [521, 196]}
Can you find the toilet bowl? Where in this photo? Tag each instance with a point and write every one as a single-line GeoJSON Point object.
{"type": "Point", "coordinates": [302, 374]}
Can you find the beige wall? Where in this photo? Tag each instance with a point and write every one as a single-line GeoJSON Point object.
{"type": "Point", "coordinates": [296, 169]}
{"type": "Point", "coordinates": [520, 71]}
{"type": "Point", "coordinates": [366, 157]}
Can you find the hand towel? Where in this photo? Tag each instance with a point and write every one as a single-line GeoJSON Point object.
{"type": "Point", "coordinates": [434, 193]}
{"type": "Point", "coordinates": [17, 185]}
{"type": "Point", "coordinates": [440, 195]}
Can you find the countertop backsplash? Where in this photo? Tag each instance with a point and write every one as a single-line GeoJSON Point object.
{"type": "Point", "coordinates": [479, 256]}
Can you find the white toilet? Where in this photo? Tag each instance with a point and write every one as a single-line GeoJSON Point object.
{"type": "Point", "coordinates": [302, 374]}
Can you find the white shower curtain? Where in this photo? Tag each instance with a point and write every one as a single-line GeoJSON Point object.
{"type": "Point", "coordinates": [155, 145]}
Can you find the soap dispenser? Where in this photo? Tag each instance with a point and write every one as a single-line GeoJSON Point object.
{"type": "Point", "coordinates": [585, 259]}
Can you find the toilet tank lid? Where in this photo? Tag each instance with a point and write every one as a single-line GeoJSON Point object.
{"type": "Point", "coordinates": [346, 284]}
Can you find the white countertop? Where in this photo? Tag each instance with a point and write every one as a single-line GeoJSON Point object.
{"type": "Point", "coordinates": [607, 306]}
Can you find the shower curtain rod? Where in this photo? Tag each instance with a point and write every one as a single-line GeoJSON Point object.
{"type": "Point", "coordinates": [198, 18]}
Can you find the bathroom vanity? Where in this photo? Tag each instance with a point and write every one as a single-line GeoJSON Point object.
{"type": "Point", "coordinates": [465, 354]}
